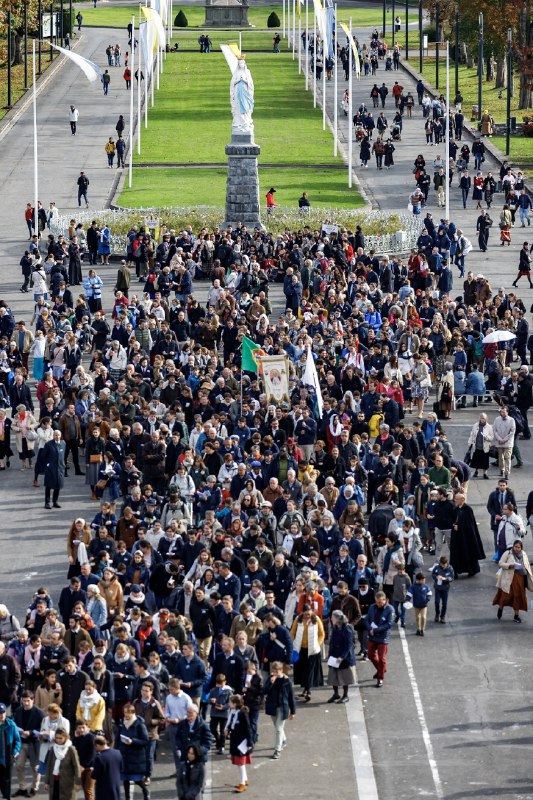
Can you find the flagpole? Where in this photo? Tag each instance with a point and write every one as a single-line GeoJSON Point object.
{"type": "Point", "coordinates": [447, 132]}
{"type": "Point", "coordinates": [35, 160]}
{"type": "Point", "coordinates": [139, 71]}
{"type": "Point", "coordinates": [240, 41]}
{"type": "Point", "coordinates": [299, 39]}
{"type": "Point", "coordinates": [130, 170]}
{"type": "Point", "coordinates": [350, 112]}
{"type": "Point", "coordinates": [171, 25]}
{"type": "Point", "coordinates": [324, 85]}
{"type": "Point", "coordinates": [288, 24]}
{"type": "Point", "coordinates": [314, 60]}
{"type": "Point", "coordinates": [284, 1]}
{"type": "Point", "coordinates": [306, 54]}
{"type": "Point", "coordinates": [294, 29]}
{"type": "Point", "coordinates": [335, 101]}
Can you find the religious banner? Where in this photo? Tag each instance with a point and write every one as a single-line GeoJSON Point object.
{"type": "Point", "coordinates": [275, 372]}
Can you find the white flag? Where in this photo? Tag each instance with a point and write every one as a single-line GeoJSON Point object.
{"type": "Point", "coordinates": [147, 44]}
{"type": "Point", "coordinates": [152, 15]}
{"type": "Point", "coordinates": [310, 378]}
{"type": "Point", "coordinates": [91, 70]}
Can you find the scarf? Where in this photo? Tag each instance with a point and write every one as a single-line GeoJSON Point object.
{"type": "Point", "coordinates": [312, 638]}
{"type": "Point", "coordinates": [83, 558]}
{"type": "Point", "coordinates": [87, 701]}
{"type": "Point", "coordinates": [143, 634]}
{"type": "Point", "coordinates": [388, 556]}
{"type": "Point", "coordinates": [129, 722]}
{"type": "Point", "coordinates": [123, 659]}
{"type": "Point", "coordinates": [335, 430]}
{"type": "Point", "coordinates": [32, 658]}
{"type": "Point", "coordinates": [60, 751]}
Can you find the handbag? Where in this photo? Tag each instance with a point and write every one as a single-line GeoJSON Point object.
{"type": "Point", "coordinates": [102, 483]}
{"type": "Point", "coordinates": [468, 457]}
{"type": "Point", "coordinates": [416, 559]}
{"type": "Point", "coordinates": [31, 436]}
{"type": "Point", "coordinates": [95, 458]}
{"type": "Point", "coordinates": [295, 656]}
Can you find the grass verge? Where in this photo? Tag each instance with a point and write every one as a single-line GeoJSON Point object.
{"type": "Point", "coordinates": [203, 186]}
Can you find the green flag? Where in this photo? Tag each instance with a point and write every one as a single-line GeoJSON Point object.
{"type": "Point", "coordinates": [249, 351]}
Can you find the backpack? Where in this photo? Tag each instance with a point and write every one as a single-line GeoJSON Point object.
{"type": "Point", "coordinates": [516, 414]}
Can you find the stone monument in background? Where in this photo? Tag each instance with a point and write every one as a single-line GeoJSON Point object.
{"type": "Point", "coordinates": [242, 184]}
{"type": "Point", "coordinates": [226, 14]}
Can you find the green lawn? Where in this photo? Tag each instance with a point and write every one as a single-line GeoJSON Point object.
{"type": "Point", "coordinates": [190, 187]}
{"type": "Point", "coordinates": [191, 119]}
{"type": "Point", "coordinates": [119, 16]}
{"type": "Point", "coordinates": [521, 149]}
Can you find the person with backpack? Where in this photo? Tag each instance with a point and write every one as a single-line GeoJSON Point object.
{"type": "Point", "coordinates": [374, 94]}
{"type": "Point", "coordinates": [106, 80]}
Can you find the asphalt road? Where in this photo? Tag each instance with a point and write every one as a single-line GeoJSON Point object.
{"type": "Point", "coordinates": [454, 717]}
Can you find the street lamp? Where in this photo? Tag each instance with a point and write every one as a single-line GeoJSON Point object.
{"type": "Point", "coordinates": [25, 45]}
{"type": "Point", "coordinates": [9, 57]}
{"type": "Point", "coordinates": [393, 26]}
{"type": "Point", "coordinates": [509, 88]}
{"type": "Point", "coordinates": [384, 18]}
{"type": "Point", "coordinates": [457, 51]}
{"type": "Point", "coordinates": [407, 30]}
{"type": "Point", "coordinates": [480, 68]}
{"type": "Point", "coordinates": [420, 35]}
{"type": "Point", "coordinates": [39, 33]}
{"type": "Point", "coordinates": [437, 37]}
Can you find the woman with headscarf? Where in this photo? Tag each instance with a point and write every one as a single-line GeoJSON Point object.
{"type": "Point", "coordinates": [514, 577]}
{"type": "Point", "coordinates": [341, 657]}
{"type": "Point", "coordinates": [333, 432]}
{"type": "Point", "coordinates": [308, 636]}
{"type": "Point", "coordinates": [63, 771]}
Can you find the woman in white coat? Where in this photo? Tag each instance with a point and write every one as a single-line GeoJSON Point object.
{"type": "Point", "coordinates": [24, 424]}
{"type": "Point", "coordinates": [44, 433]}
{"type": "Point", "coordinates": [479, 444]}
{"type": "Point", "coordinates": [514, 577]}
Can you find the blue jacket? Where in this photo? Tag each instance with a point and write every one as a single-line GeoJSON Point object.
{"type": "Point", "coordinates": [193, 672]}
{"type": "Point", "coordinates": [381, 634]}
{"type": "Point", "coordinates": [446, 573]}
{"type": "Point", "coordinates": [280, 648]}
{"type": "Point", "coordinates": [279, 694]}
{"type": "Point", "coordinates": [199, 734]}
{"type": "Point", "coordinates": [11, 739]}
{"type": "Point", "coordinates": [475, 383]}
{"type": "Point", "coordinates": [420, 594]}
{"type": "Point", "coordinates": [341, 645]}
{"type": "Point", "coordinates": [134, 759]}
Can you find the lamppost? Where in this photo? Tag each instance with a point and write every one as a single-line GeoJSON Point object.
{"type": "Point", "coordinates": [51, 31]}
{"type": "Point", "coordinates": [25, 45]}
{"type": "Point", "coordinates": [420, 35]}
{"type": "Point", "coordinates": [509, 88]}
{"type": "Point", "coordinates": [9, 57]}
{"type": "Point", "coordinates": [61, 31]}
{"type": "Point", "coordinates": [437, 38]}
{"type": "Point", "coordinates": [407, 30]}
{"type": "Point", "coordinates": [39, 34]}
{"type": "Point", "coordinates": [480, 68]}
{"type": "Point", "coordinates": [393, 25]}
{"type": "Point", "coordinates": [384, 18]}
{"type": "Point", "coordinates": [457, 51]}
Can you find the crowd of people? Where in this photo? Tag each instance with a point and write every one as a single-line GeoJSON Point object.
{"type": "Point", "coordinates": [240, 551]}
{"type": "Point", "coordinates": [235, 541]}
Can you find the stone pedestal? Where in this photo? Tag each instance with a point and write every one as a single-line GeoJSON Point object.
{"type": "Point", "coordinates": [242, 185]}
{"type": "Point", "coordinates": [226, 14]}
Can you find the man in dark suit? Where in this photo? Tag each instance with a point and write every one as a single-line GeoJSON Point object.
{"type": "Point", "coordinates": [497, 499]}
{"type": "Point", "coordinates": [54, 471]}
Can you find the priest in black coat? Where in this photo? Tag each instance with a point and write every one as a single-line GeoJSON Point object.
{"type": "Point", "coordinates": [466, 547]}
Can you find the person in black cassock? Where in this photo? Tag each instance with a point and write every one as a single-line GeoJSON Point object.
{"type": "Point", "coordinates": [466, 547]}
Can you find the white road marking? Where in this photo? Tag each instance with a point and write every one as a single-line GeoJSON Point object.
{"type": "Point", "coordinates": [362, 759]}
{"type": "Point", "coordinates": [422, 718]}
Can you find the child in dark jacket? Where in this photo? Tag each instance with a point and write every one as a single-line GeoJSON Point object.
{"type": "Point", "coordinates": [401, 584]}
{"type": "Point", "coordinates": [420, 594]}
{"type": "Point", "coordinates": [443, 575]}
{"type": "Point", "coordinates": [219, 704]}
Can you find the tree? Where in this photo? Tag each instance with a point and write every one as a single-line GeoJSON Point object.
{"type": "Point", "coordinates": [273, 20]}
{"type": "Point", "coordinates": [525, 52]}
{"type": "Point", "coordinates": [17, 27]}
{"type": "Point", "coordinates": [181, 20]}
